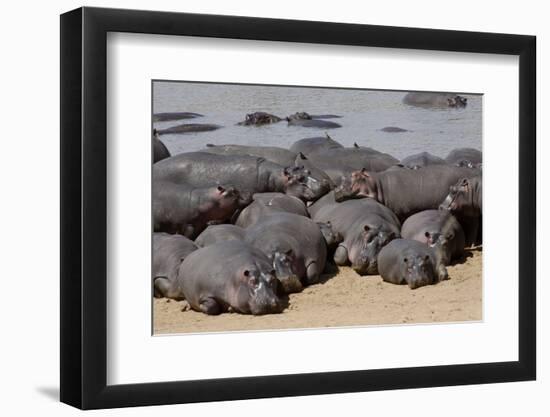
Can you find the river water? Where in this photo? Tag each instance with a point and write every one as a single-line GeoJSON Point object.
{"type": "Point", "coordinates": [364, 113]}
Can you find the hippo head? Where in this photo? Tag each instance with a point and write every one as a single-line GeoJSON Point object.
{"type": "Point", "coordinates": [363, 184]}
{"type": "Point", "coordinates": [461, 198]}
{"type": "Point", "coordinates": [465, 163]}
{"type": "Point", "coordinates": [439, 242]}
{"type": "Point", "coordinates": [299, 182]}
{"type": "Point", "coordinates": [457, 101]}
{"type": "Point", "coordinates": [331, 237]}
{"type": "Point", "coordinates": [284, 266]}
{"type": "Point", "coordinates": [418, 270]}
{"type": "Point", "coordinates": [363, 253]}
{"type": "Point", "coordinates": [257, 293]}
{"type": "Point", "coordinates": [301, 115]}
{"type": "Point", "coordinates": [227, 197]}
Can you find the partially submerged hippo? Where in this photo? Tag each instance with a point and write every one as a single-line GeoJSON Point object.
{"type": "Point", "coordinates": [259, 118]}
{"type": "Point", "coordinates": [181, 208]}
{"type": "Point", "coordinates": [219, 233]}
{"type": "Point", "coordinates": [305, 120]}
{"type": "Point", "coordinates": [393, 129]}
{"type": "Point", "coordinates": [229, 276]}
{"type": "Point", "coordinates": [365, 226]}
{"type": "Point", "coordinates": [295, 245]}
{"type": "Point", "coordinates": [405, 261]}
{"type": "Point", "coordinates": [188, 128]}
{"type": "Point", "coordinates": [249, 174]}
{"type": "Point", "coordinates": [438, 229]}
{"type": "Point", "coordinates": [422, 159]}
{"type": "Point", "coordinates": [169, 251]}
{"type": "Point", "coordinates": [435, 100]}
{"type": "Point", "coordinates": [171, 116]}
{"type": "Point", "coordinates": [466, 157]}
{"type": "Point", "coordinates": [311, 145]}
{"type": "Point", "coordinates": [160, 151]}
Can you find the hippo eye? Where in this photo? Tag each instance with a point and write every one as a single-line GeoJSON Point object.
{"type": "Point", "coordinates": [405, 260]}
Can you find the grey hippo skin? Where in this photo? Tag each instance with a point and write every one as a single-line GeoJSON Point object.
{"type": "Point", "coordinates": [305, 120]}
{"type": "Point", "coordinates": [405, 191]}
{"type": "Point", "coordinates": [465, 201]}
{"type": "Point", "coordinates": [435, 100]}
{"type": "Point", "coordinates": [405, 261]}
{"type": "Point", "coordinates": [249, 174]}
{"type": "Point", "coordinates": [219, 233]}
{"type": "Point", "coordinates": [311, 145]}
{"type": "Point", "coordinates": [188, 128]}
{"type": "Point", "coordinates": [365, 226]}
{"type": "Point", "coordinates": [229, 276]}
{"type": "Point", "coordinates": [168, 117]}
{"type": "Point", "coordinates": [393, 129]}
{"type": "Point", "coordinates": [438, 229]}
{"type": "Point", "coordinates": [325, 116]}
{"type": "Point", "coordinates": [294, 244]}
{"type": "Point", "coordinates": [259, 118]}
{"type": "Point", "coordinates": [268, 203]}
{"type": "Point", "coordinates": [160, 151]}
{"type": "Point", "coordinates": [169, 251]}
{"type": "Point", "coordinates": [422, 159]}
{"type": "Point", "coordinates": [467, 157]}
{"type": "Point", "coordinates": [183, 209]}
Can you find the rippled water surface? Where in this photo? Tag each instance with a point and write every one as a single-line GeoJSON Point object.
{"type": "Point", "coordinates": [364, 113]}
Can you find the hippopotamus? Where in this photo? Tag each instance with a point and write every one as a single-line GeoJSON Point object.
{"type": "Point", "coordinates": [407, 192]}
{"type": "Point", "coordinates": [422, 159]}
{"type": "Point", "coordinates": [295, 245]}
{"type": "Point", "coordinates": [465, 202]}
{"type": "Point", "coordinates": [181, 208]}
{"type": "Point", "coordinates": [188, 128]}
{"type": "Point", "coordinates": [169, 251]}
{"type": "Point", "coordinates": [249, 174]}
{"type": "Point", "coordinates": [259, 118]}
{"type": "Point", "coordinates": [466, 157]}
{"type": "Point", "coordinates": [219, 233]}
{"type": "Point", "coordinates": [332, 238]}
{"type": "Point", "coordinates": [251, 214]}
{"type": "Point", "coordinates": [160, 151]}
{"type": "Point", "coordinates": [435, 100]}
{"type": "Point", "coordinates": [310, 145]}
{"type": "Point", "coordinates": [229, 276]}
{"type": "Point", "coordinates": [325, 116]}
{"type": "Point", "coordinates": [406, 261]}
{"type": "Point", "coordinates": [171, 116]}
{"type": "Point", "coordinates": [438, 229]}
{"type": "Point", "coordinates": [305, 120]}
{"type": "Point", "coordinates": [365, 226]}
{"type": "Point", "coordinates": [393, 129]}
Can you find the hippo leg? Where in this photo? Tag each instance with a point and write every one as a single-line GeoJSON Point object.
{"type": "Point", "coordinates": [471, 226]}
{"type": "Point", "coordinates": [209, 306]}
{"type": "Point", "coordinates": [442, 273]}
{"type": "Point", "coordinates": [164, 288]}
{"type": "Point", "coordinates": [312, 273]}
{"type": "Point", "coordinates": [341, 255]}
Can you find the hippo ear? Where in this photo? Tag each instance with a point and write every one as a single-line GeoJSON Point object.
{"type": "Point", "coordinates": [464, 181]}
{"type": "Point", "coordinates": [246, 273]}
{"type": "Point", "coordinates": [220, 189]}
{"type": "Point", "coordinates": [366, 228]}
{"type": "Point", "coordinates": [427, 234]}
{"type": "Point", "coordinates": [355, 145]}
{"type": "Point", "coordinates": [301, 155]}
{"type": "Point", "coordinates": [289, 252]}
{"type": "Point", "coordinates": [364, 172]}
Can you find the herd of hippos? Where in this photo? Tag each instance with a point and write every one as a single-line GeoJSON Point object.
{"type": "Point", "coordinates": [237, 228]}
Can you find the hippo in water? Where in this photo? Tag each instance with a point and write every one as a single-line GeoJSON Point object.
{"type": "Point", "coordinates": [435, 100]}
{"type": "Point", "coordinates": [308, 146]}
{"type": "Point", "coordinates": [219, 233]}
{"type": "Point", "coordinates": [180, 208]}
{"type": "Point", "coordinates": [365, 226]}
{"type": "Point", "coordinates": [188, 128]}
{"type": "Point", "coordinates": [160, 151]}
{"type": "Point", "coordinates": [169, 251]}
{"type": "Point", "coordinates": [305, 120]}
{"type": "Point", "coordinates": [466, 157]}
{"type": "Point", "coordinates": [229, 276]}
{"type": "Point", "coordinates": [259, 118]}
{"type": "Point", "coordinates": [295, 245]}
{"type": "Point", "coordinates": [405, 261]}
{"type": "Point", "coordinates": [438, 229]}
{"type": "Point", "coordinates": [168, 117]}
{"type": "Point", "coordinates": [393, 129]}
{"type": "Point", "coordinates": [422, 159]}
{"type": "Point", "coordinates": [249, 174]}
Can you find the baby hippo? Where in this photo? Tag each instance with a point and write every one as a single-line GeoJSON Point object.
{"type": "Point", "coordinates": [405, 261]}
{"type": "Point", "coordinates": [219, 233]}
{"type": "Point", "coordinates": [229, 275]}
{"type": "Point", "coordinates": [438, 229]}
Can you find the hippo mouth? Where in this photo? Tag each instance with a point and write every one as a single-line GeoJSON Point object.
{"type": "Point", "coordinates": [448, 203]}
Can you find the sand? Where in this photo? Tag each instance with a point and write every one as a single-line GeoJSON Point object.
{"type": "Point", "coordinates": [344, 298]}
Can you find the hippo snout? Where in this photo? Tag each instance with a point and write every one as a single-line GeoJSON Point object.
{"type": "Point", "coordinates": [291, 284]}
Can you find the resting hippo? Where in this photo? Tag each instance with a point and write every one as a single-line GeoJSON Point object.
{"type": "Point", "coordinates": [251, 214]}
{"type": "Point", "coordinates": [168, 117]}
{"type": "Point", "coordinates": [249, 174]}
{"type": "Point", "coordinates": [467, 157]}
{"type": "Point", "coordinates": [422, 159]}
{"type": "Point", "coordinates": [310, 145]}
{"type": "Point", "coordinates": [405, 191]}
{"type": "Point", "coordinates": [229, 276]}
{"type": "Point", "coordinates": [169, 251]}
{"type": "Point", "coordinates": [405, 261]}
{"type": "Point", "coordinates": [188, 128]}
{"type": "Point", "coordinates": [393, 129]}
{"type": "Point", "coordinates": [219, 233]}
{"type": "Point", "coordinates": [180, 208]}
{"type": "Point", "coordinates": [160, 151]}
{"type": "Point", "coordinates": [465, 202]}
{"type": "Point", "coordinates": [365, 225]}
{"type": "Point", "coordinates": [339, 161]}
{"type": "Point", "coordinates": [305, 120]}
{"type": "Point", "coordinates": [435, 100]}
{"type": "Point", "coordinates": [291, 240]}
{"type": "Point", "coordinates": [259, 118]}
{"type": "Point", "coordinates": [438, 229]}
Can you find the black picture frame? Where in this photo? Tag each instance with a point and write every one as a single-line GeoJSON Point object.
{"type": "Point", "coordinates": [84, 207]}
